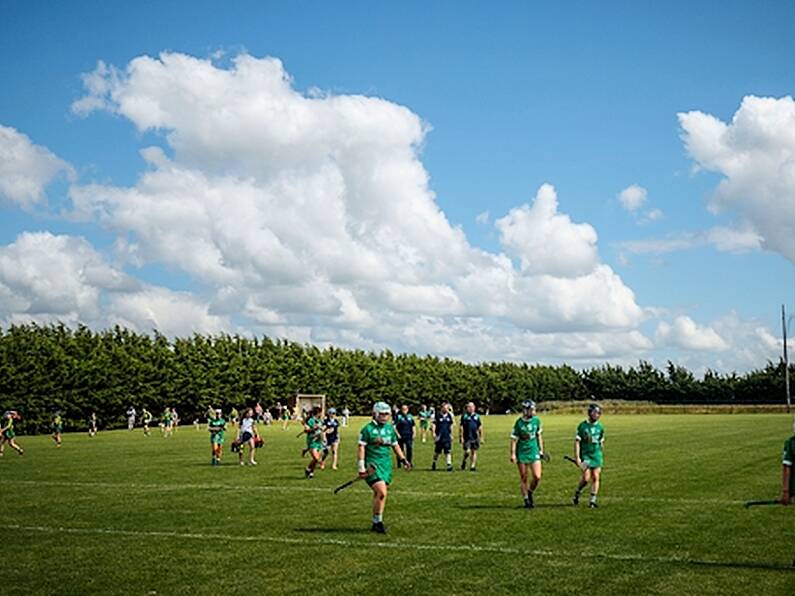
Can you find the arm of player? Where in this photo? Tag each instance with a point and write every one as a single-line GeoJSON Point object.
{"type": "Point", "coordinates": [360, 460]}
{"type": "Point", "coordinates": [577, 451]}
{"type": "Point", "coordinates": [786, 474]}
{"type": "Point", "coordinates": [513, 450]}
{"type": "Point", "coordinates": [480, 433]}
{"type": "Point", "coordinates": [399, 452]}
{"type": "Point", "coordinates": [540, 443]}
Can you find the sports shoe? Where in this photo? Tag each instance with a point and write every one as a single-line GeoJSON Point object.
{"type": "Point", "coordinates": [379, 528]}
{"type": "Point", "coordinates": [575, 500]}
{"type": "Point", "coordinates": [433, 466]}
{"type": "Point", "coordinates": [450, 468]}
{"type": "Point", "coordinates": [592, 505]}
{"type": "Point", "coordinates": [529, 502]}
{"type": "Point", "coordinates": [473, 469]}
{"type": "Point", "coordinates": [242, 463]}
{"type": "Point", "coordinates": [253, 463]}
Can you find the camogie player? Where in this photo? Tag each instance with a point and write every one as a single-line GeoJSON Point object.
{"type": "Point", "coordinates": [7, 433]}
{"type": "Point", "coordinates": [57, 428]}
{"type": "Point", "coordinates": [92, 424]}
{"type": "Point", "coordinates": [425, 422]}
{"type": "Point", "coordinates": [247, 435]}
{"type": "Point", "coordinates": [589, 443]}
{"type": "Point", "coordinates": [787, 477]}
{"type": "Point", "coordinates": [527, 450]}
{"type": "Point", "coordinates": [313, 428]}
{"type": "Point", "coordinates": [331, 428]}
{"type": "Point", "coordinates": [146, 416]}
{"type": "Point", "coordinates": [470, 436]}
{"type": "Point", "coordinates": [217, 428]}
{"type": "Point", "coordinates": [375, 460]}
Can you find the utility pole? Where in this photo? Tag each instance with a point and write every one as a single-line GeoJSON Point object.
{"type": "Point", "coordinates": [786, 359]}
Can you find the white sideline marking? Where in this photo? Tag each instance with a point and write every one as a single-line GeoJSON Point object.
{"type": "Point", "coordinates": [485, 548]}
{"type": "Point", "coordinates": [317, 489]}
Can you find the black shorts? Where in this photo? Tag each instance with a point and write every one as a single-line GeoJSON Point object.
{"type": "Point", "coordinates": [246, 437]}
{"type": "Point", "coordinates": [442, 446]}
{"type": "Point", "coordinates": [471, 445]}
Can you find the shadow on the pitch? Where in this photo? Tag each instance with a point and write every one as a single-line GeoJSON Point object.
{"type": "Point", "coordinates": [742, 565]}
{"type": "Point", "coordinates": [488, 506]}
{"type": "Point", "coordinates": [333, 530]}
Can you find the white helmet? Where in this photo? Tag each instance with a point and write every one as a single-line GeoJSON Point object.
{"type": "Point", "coordinates": [381, 407]}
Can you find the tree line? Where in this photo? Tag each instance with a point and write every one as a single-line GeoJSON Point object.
{"type": "Point", "coordinates": [44, 368]}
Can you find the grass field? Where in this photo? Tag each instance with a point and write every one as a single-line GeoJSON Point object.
{"type": "Point", "coordinates": [123, 513]}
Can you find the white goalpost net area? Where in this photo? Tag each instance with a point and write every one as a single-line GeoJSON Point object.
{"type": "Point", "coordinates": [304, 402]}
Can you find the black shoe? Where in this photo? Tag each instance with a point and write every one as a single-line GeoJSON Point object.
{"type": "Point", "coordinates": [575, 500]}
{"type": "Point", "coordinates": [529, 503]}
{"type": "Point", "coordinates": [473, 469]}
{"type": "Point", "coordinates": [378, 528]}
{"type": "Point", "coordinates": [433, 466]}
{"type": "Point", "coordinates": [308, 474]}
{"type": "Point", "coordinates": [464, 465]}
{"type": "Point", "coordinates": [450, 468]}
{"type": "Point", "coordinates": [593, 505]}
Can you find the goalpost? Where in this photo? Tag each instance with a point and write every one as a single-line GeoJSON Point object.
{"type": "Point", "coordinates": [304, 402]}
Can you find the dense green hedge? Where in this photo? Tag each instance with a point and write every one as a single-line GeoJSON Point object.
{"type": "Point", "coordinates": [44, 368]}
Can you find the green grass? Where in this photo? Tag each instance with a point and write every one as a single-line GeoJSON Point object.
{"type": "Point", "coordinates": [123, 513]}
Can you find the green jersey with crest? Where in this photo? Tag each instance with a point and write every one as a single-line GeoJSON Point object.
{"type": "Point", "coordinates": [314, 438]}
{"type": "Point", "coordinates": [525, 433]}
{"type": "Point", "coordinates": [590, 435]}
{"type": "Point", "coordinates": [788, 459]}
{"type": "Point", "coordinates": [378, 440]}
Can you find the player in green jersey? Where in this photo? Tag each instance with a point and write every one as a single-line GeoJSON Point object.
{"type": "Point", "coordinates": [527, 450]}
{"type": "Point", "coordinates": [165, 423]}
{"type": "Point", "coordinates": [314, 430]}
{"type": "Point", "coordinates": [589, 444]}
{"type": "Point", "coordinates": [57, 428]}
{"type": "Point", "coordinates": [7, 432]}
{"type": "Point", "coordinates": [217, 428]}
{"type": "Point", "coordinates": [425, 422]}
{"type": "Point", "coordinates": [375, 460]}
{"type": "Point", "coordinates": [787, 477]}
{"type": "Point", "coordinates": [146, 415]}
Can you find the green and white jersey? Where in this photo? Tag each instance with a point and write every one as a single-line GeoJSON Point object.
{"type": "Point", "coordinates": [167, 416]}
{"type": "Point", "coordinates": [217, 426]}
{"type": "Point", "coordinates": [788, 459]}
{"type": "Point", "coordinates": [590, 435]}
{"type": "Point", "coordinates": [378, 440]}
{"type": "Point", "coordinates": [314, 438]}
{"type": "Point", "coordinates": [8, 427]}
{"type": "Point", "coordinates": [147, 416]}
{"type": "Point", "coordinates": [526, 432]}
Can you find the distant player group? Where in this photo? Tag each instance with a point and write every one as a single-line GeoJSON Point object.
{"type": "Point", "coordinates": [380, 439]}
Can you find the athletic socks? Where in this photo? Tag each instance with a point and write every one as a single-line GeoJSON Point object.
{"type": "Point", "coordinates": [377, 519]}
{"type": "Point", "coordinates": [592, 501]}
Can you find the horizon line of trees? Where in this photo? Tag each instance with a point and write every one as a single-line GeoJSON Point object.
{"type": "Point", "coordinates": [44, 368]}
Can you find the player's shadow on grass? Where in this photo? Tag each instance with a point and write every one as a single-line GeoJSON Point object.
{"type": "Point", "coordinates": [333, 530]}
{"type": "Point", "coordinates": [512, 506]}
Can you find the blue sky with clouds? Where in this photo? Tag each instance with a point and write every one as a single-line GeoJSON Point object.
{"type": "Point", "coordinates": [585, 182]}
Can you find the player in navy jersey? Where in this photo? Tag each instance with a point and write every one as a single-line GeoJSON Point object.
{"type": "Point", "coordinates": [404, 425]}
{"type": "Point", "coordinates": [470, 435]}
{"type": "Point", "coordinates": [331, 428]}
{"type": "Point", "coordinates": [443, 436]}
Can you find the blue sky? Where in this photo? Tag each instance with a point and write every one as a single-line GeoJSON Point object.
{"type": "Point", "coordinates": [582, 96]}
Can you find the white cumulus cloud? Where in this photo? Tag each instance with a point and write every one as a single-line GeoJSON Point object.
{"type": "Point", "coordinates": [633, 197]}
{"type": "Point", "coordinates": [26, 168]}
{"type": "Point", "coordinates": [755, 154]}
{"type": "Point", "coordinates": [548, 242]}
{"type": "Point", "coordinates": [683, 332]}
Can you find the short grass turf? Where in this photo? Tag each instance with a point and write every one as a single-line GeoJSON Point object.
{"type": "Point", "coordinates": [129, 514]}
